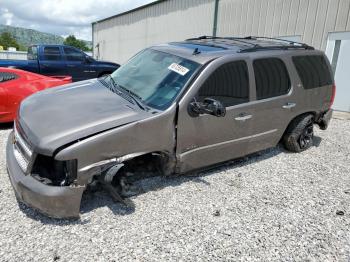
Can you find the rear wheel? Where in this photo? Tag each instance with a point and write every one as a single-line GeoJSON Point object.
{"type": "Point", "coordinates": [300, 133]}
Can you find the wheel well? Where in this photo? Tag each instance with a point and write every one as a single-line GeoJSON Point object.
{"type": "Point", "coordinates": [154, 162]}
{"type": "Point", "coordinates": [298, 116]}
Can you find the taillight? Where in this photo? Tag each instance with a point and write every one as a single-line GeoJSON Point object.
{"type": "Point", "coordinates": [333, 95]}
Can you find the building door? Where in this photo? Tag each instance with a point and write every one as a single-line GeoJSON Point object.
{"type": "Point", "coordinates": [338, 53]}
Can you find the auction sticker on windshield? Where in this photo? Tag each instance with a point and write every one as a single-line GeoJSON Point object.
{"type": "Point", "coordinates": [178, 69]}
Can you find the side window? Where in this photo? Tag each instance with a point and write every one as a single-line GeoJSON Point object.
{"type": "Point", "coordinates": [4, 76]}
{"type": "Point", "coordinates": [32, 53]}
{"type": "Point", "coordinates": [52, 53]}
{"type": "Point", "coordinates": [313, 71]}
{"type": "Point", "coordinates": [229, 84]}
{"type": "Point", "coordinates": [73, 55]}
{"type": "Point", "coordinates": [271, 78]}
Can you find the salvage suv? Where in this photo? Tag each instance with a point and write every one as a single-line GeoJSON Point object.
{"type": "Point", "coordinates": [170, 109]}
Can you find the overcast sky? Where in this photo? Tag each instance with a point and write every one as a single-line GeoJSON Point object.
{"type": "Point", "coordinates": [62, 17]}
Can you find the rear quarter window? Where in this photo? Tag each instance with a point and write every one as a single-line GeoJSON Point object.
{"type": "Point", "coordinates": [313, 71]}
{"type": "Point", "coordinates": [4, 76]}
{"type": "Point", "coordinates": [32, 53]}
{"type": "Point", "coordinates": [271, 78]}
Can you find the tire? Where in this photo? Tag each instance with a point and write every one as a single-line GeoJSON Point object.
{"type": "Point", "coordinates": [299, 135]}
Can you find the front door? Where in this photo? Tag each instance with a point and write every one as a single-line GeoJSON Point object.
{"type": "Point", "coordinates": [77, 65]}
{"type": "Point", "coordinates": [205, 140]}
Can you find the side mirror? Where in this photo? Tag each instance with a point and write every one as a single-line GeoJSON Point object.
{"type": "Point", "coordinates": [208, 106]}
{"type": "Point", "coordinates": [89, 59]}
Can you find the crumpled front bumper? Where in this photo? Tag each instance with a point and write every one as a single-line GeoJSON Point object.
{"type": "Point", "coordinates": [53, 201]}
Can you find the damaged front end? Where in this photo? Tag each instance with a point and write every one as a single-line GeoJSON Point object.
{"type": "Point", "coordinates": [117, 176]}
{"type": "Point", "coordinates": [42, 182]}
{"type": "Point", "coordinates": [55, 187]}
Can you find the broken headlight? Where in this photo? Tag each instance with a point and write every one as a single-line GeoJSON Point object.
{"type": "Point", "coordinates": [53, 172]}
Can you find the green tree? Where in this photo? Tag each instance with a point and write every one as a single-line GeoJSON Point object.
{"type": "Point", "coordinates": [72, 41]}
{"type": "Point", "coordinates": [7, 40]}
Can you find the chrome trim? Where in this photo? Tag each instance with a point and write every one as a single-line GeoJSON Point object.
{"type": "Point", "coordinates": [21, 160]}
{"type": "Point", "coordinates": [289, 105]}
{"type": "Point", "coordinates": [23, 144]}
{"type": "Point", "coordinates": [243, 117]}
{"type": "Point", "coordinates": [228, 142]}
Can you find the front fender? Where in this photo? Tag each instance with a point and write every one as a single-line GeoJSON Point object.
{"type": "Point", "coordinates": [153, 134]}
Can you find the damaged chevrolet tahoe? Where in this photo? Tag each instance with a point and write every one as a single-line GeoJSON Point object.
{"type": "Point", "coordinates": [170, 109]}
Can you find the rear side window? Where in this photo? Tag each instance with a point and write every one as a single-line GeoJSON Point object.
{"type": "Point", "coordinates": [52, 53]}
{"type": "Point", "coordinates": [4, 76]}
{"type": "Point", "coordinates": [271, 78]}
{"type": "Point", "coordinates": [313, 71]}
{"type": "Point", "coordinates": [32, 53]}
{"type": "Point", "coordinates": [229, 84]}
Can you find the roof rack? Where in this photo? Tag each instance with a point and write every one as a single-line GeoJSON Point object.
{"type": "Point", "coordinates": [276, 39]}
{"type": "Point", "coordinates": [237, 39]}
{"type": "Point", "coordinates": [292, 45]}
{"type": "Point", "coordinates": [275, 47]}
{"type": "Point", "coordinates": [257, 47]}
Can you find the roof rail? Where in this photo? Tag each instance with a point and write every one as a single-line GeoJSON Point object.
{"type": "Point", "coordinates": [275, 47]}
{"type": "Point", "coordinates": [292, 45]}
{"type": "Point", "coordinates": [278, 39]}
{"type": "Point", "coordinates": [257, 47]}
{"type": "Point", "coordinates": [237, 39]}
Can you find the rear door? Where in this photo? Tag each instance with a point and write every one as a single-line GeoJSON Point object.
{"type": "Point", "coordinates": [205, 140]}
{"type": "Point", "coordinates": [51, 61]}
{"type": "Point", "coordinates": [275, 102]}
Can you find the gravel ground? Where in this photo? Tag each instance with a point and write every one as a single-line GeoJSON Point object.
{"type": "Point", "coordinates": [274, 205]}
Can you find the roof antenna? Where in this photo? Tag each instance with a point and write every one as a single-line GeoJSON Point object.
{"type": "Point", "coordinates": [196, 51]}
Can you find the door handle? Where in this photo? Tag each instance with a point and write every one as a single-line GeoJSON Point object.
{"type": "Point", "coordinates": [243, 117]}
{"type": "Point", "coordinates": [289, 105]}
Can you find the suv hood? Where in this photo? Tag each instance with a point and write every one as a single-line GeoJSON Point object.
{"type": "Point", "coordinates": [56, 117]}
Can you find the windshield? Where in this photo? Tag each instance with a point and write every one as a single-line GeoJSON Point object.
{"type": "Point", "coordinates": [155, 77]}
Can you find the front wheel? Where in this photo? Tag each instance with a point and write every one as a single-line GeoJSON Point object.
{"type": "Point", "coordinates": [300, 133]}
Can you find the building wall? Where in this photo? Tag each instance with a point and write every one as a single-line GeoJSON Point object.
{"type": "Point", "coordinates": [310, 19]}
{"type": "Point", "coordinates": [122, 36]}
{"type": "Point", "coordinates": [16, 55]}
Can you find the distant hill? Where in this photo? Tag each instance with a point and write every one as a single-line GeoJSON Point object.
{"type": "Point", "coordinates": [27, 37]}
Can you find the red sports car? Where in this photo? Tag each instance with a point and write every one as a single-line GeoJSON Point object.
{"type": "Point", "coordinates": [15, 85]}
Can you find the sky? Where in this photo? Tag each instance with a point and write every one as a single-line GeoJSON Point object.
{"type": "Point", "coordinates": [62, 17]}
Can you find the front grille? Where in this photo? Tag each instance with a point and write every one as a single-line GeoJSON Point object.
{"type": "Point", "coordinates": [22, 151]}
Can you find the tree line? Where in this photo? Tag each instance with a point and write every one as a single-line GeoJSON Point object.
{"type": "Point", "coordinates": [7, 40]}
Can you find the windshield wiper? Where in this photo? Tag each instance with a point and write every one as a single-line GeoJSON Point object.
{"type": "Point", "coordinates": [136, 98]}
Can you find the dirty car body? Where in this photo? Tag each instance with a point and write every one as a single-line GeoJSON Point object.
{"type": "Point", "coordinates": [159, 114]}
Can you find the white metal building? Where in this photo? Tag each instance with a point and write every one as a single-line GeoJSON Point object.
{"type": "Point", "coordinates": [324, 24]}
